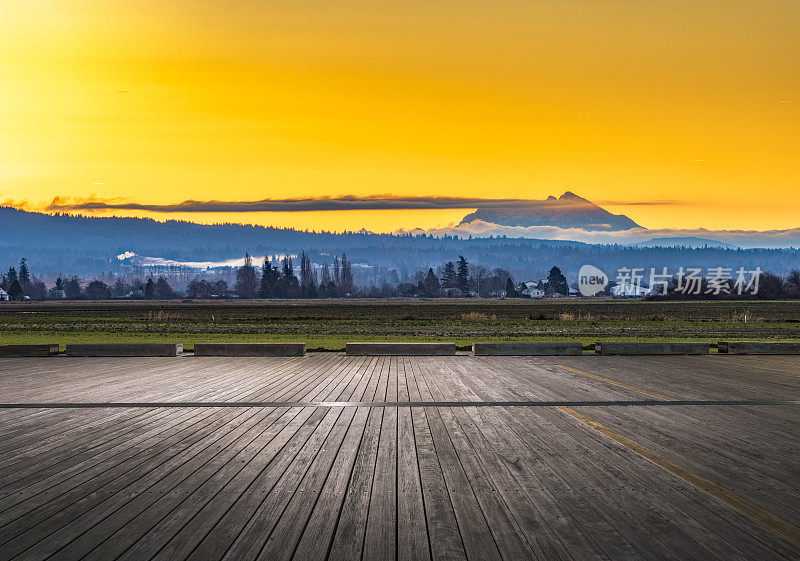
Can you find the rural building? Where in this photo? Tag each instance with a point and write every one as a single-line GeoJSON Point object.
{"type": "Point", "coordinates": [533, 292]}
{"type": "Point", "coordinates": [3, 295]}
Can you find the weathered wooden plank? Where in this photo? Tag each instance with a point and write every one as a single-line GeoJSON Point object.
{"type": "Point", "coordinates": [206, 501]}
{"type": "Point", "coordinates": [509, 536]}
{"type": "Point", "coordinates": [702, 519]}
{"type": "Point", "coordinates": [251, 540]}
{"type": "Point", "coordinates": [77, 531]}
{"type": "Point", "coordinates": [95, 480]}
{"type": "Point", "coordinates": [415, 482]}
{"type": "Point", "coordinates": [317, 536]}
{"type": "Point", "coordinates": [446, 541]}
{"type": "Point", "coordinates": [573, 524]}
{"type": "Point", "coordinates": [348, 538]}
{"type": "Point", "coordinates": [412, 531]}
{"type": "Point", "coordinates": [238, 530]}
{"type": "Point", "coordinates": [380, 540]}
{"type": "Point", "coordinates": [218, 522]}
{"type": "Point", "coordinates": [219, 516]}
{"type": "Point", "coordinates": [289, 526]}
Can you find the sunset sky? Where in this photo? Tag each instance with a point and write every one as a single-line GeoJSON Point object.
{"type": "Point", "coordinates": [680, 114]}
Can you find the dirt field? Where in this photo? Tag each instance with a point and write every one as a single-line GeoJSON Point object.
{"type": "Point", "coordinates": [329, 324]}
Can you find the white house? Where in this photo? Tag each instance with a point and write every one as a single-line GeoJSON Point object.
{"type": "Point", "coordinates": [533, 292]}
{"type": "Point", "coordinates": [629, 291]}
{"type": "Point", "coordinates": [3, 295]}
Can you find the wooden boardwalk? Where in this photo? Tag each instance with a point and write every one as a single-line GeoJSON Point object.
{"type": "Point", "coordinates": [334, 457]}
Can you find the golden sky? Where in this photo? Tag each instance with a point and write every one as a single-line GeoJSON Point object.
{"type": "Point", "coordinates": [679, 114]}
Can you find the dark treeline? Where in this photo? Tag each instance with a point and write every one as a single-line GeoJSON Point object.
{"type": "Point", "coordinates": [279, 278]}
{"type": "Point", "coordinates": [273, 279]}
{"type": "Point", "coordinates": [770, 287]}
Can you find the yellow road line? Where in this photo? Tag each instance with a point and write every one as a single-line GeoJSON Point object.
{"type": "Point", "coordinates": [739, 504]}
{"type": "Point", "coordinates": [615, 383]}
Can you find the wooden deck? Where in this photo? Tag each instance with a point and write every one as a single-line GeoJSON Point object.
{"type": "Point", "coordinates": [334, 457]}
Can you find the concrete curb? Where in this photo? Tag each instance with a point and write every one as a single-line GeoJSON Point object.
{"type": "Point", "coordinates": [410, 349]}
{"type": "Point", "coordinates": [125, 349]}
{"type": "Point", "coordinates": [519, 348]}
{"type": "Point", "coordinates": [681, 348]}
{"type": "Point", "coordinates": [759, 347]}
{"type": "Point", "coordinates": [28, 350]}
{"type": "Point", "coordinates": [249, 349]}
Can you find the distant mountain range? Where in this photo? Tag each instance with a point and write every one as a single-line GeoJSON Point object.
{"type": "Point", "coordinates": [688, 241]}
{"type": "Point", "coordinates": [87, 246]}
{"type": "Point", "coordinates": [567, 211]}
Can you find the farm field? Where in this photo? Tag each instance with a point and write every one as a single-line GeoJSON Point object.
{"type": "Point", "coordinates": [328, 325]}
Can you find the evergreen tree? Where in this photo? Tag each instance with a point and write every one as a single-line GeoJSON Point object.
{"type": "Point", "coordinates": [269, 280]}
{"type": "Point", "coordinates": [462, 277]}
{"type": "Point", "coordinates": [289, 285]}
{"type": "Point", "coordinates": [59, 284]}
{"type": "Point", "coordinates": [9, 278]}
{"type": "Point", "coordinates": [511, 292]}
{"type": "Point", "coordinates": [24, 273]}
{"type": "Point", "coordinates": [73, 289]}
{"type": "Point", "coordinates": [556, 283]}
{"type": "Point", "coordinates": [430, 285]}
{"type": "Point", "coordinates": [149, 290]}
{"type": "Point", "coordinates": [449, 279]}
{"type": "Point", "coordinates": [15, 291]}
{"type": "Point", "coordinates": [246, 279]}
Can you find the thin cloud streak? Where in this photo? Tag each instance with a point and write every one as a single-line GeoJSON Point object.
{"type": "Point", "coordinates": [640, 203]}
{"type": "Point", "coordinates": [344, 202]}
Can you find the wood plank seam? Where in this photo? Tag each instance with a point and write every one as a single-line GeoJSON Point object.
{"type": "Point", "coordinates": [393, 404]}
{"type": "Point", "coordinates": [615, 383]}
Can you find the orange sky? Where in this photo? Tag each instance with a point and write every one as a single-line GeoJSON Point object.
{"type": "Point", "coordinates": [695, 103]}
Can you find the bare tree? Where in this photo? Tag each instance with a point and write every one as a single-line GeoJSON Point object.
{"type": "Point", "coordinates": [480, 275]}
